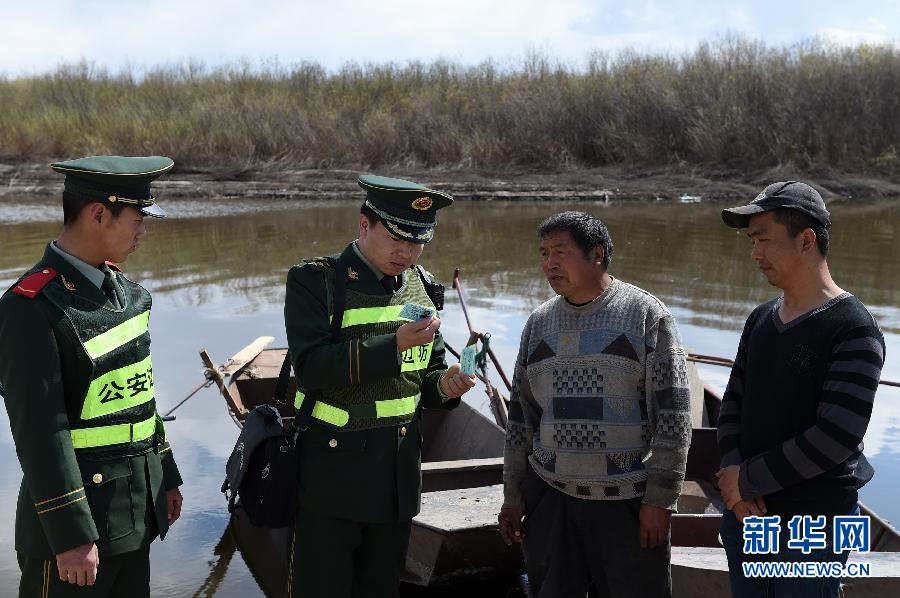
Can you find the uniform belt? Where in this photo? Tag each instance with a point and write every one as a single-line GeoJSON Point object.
{"type": "Point", "coordinates": [114, 434]}
{"type": "Point", "coordinates": [340, 416]}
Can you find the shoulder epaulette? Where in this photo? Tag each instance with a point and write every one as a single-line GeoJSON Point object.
{"type": "Point", "coordinates": [318, 263]}
{"type": "Point", "coordinates": [32, 284]}
{"type": "Point", "coordinates": [113, 266]}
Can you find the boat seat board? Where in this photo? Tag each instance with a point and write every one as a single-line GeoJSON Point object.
{"type": "Point", "coordinates": [465, 508]}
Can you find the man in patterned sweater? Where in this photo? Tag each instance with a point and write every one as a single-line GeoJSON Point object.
{"type": "Point", "coordinates": [599, 426]}
{"type": "Point", "coordinates": [800, 394]}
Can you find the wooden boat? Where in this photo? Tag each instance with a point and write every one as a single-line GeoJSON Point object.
{"type": "Point", "coordinates": [455, 538]}
{"type": "Point", "coordinates": [452, 538]}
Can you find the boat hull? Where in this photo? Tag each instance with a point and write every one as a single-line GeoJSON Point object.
{"type": "Point", "coordinates": [455, 538]}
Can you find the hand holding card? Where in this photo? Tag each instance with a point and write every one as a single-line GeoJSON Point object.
{"type": "Point", "coordinates": [414, 312]}
{"type": "Point", "coordinates": [467, 360]}
{"type": "Point", "coordinates": [467, 357]}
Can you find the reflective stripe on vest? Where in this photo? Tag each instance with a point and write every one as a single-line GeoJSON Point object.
{"type": "Point", "coordinates": [114, 434]}
{"type": "Point", "coordinates": [375, 315]}
{"type": "Point", "coordinates": [119, 389]}
{"type": "Point", "coordinates": [396, 407]}
{"type": "Point", "coordinates": [339, 416]}
{"type": "Point", "coordinates": [117, 336]}
{"type": "Point", "coordinates": [372, 315]}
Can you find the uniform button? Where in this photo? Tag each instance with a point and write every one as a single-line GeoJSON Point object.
{"type": "Point", "coordinates": [403, 431]}
{"type": "Point", "coordinates": [332, 443]}
{"type": "Point", "coordinates": [98, 478]}
{"type": "Point", "coordinates": [45, 271]}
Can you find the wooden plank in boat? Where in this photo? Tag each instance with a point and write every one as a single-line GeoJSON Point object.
{"type": "Point", "coordinates": [267, 364]}
{"type": "Point", "coordinates": [460, 509]}
{"type": "Point", "coordinates": [455, 539]}
{"type": "Point", "coordinates": [463, 473]}
{"type": "Point", "coordinates": [246, 355]}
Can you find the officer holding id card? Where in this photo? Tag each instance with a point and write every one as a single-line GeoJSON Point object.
{"type": "Point", "coordinates": [362, 328]}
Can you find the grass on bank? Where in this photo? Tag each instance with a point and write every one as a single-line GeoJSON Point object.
{"type": "Point", "coordinates": [731, 102]}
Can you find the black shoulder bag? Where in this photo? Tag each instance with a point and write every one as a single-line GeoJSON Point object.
{"type": "Point", "coordinates": [262, 468]}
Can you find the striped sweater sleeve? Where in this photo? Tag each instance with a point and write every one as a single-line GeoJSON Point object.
{"type": "Point", "coordinates": [729, 424]}
{"type": "Point", "coordinates": [669, 396]}
{"type": "Point", "coordinates": [854, 370]}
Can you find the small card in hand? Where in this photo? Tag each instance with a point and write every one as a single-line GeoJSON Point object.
{"type": "Point", "coordinates": [467, 360]}
{"type": "Point", "coordinates": [467, 357]}
{"type": "Point", "coordinates": [411, 311]}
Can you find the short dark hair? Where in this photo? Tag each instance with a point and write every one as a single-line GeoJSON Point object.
{"type": "Point", "coordinates": [370, 214]}
{"type": "Point", "coordinates": [74, 204]}
{"type": "Point", "coordinates": [796, 222]}
{"type": "Point", "coordinates": [586, 230]}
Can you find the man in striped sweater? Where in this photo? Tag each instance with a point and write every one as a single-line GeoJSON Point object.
{"type": "Point", "coordinates": [599, 426]}
{"type": "Point", "coordinates": [800, 394]}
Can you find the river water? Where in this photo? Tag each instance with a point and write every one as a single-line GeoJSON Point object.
{"type": "Point", "coordinates": [217, 271]}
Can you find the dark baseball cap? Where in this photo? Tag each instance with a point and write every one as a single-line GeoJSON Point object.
{"type": "Point", "coordinates": [786, 194]}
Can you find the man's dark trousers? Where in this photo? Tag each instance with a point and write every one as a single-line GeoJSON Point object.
{"type": "Point", "coordinates": [573, 545]}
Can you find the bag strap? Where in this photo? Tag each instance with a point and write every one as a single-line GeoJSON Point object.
{"type": "Point", "coordinates": [339, 298]}
{"type": "Point", "coordinates": [338, 305]}
{"type": "Point", "coordinates": [280, 394]}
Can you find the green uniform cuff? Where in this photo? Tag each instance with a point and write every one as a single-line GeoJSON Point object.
{"type": "Point", "coordinates": [433, 396]}
{"type": "Point", "coordinates": [67, 521]}
{"type": "Point", "coordinates": [171, 475]}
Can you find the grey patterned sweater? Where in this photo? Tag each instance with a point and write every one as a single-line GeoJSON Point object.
{"type": "Point", "coordinates": [600, 404]}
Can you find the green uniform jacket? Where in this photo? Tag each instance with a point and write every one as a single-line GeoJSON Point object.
{"type": "Point", "coordinates": [63, 502]}
{"type": "Point", "coordinates": [369, 475]}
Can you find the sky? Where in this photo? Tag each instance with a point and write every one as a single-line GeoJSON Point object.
{"type": "Point", "coordinates": [39, 35]}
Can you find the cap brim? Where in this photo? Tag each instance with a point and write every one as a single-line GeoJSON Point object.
{"type": "Point", "coordinates": [739, 217]}
{"type": "Point", "coordinates": [153, 210]}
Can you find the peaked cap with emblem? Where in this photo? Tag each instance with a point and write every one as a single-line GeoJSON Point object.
{"type": "Point", "coordinates": [121, 180]}
{"type": "Point", "coordinates": [408, 210]}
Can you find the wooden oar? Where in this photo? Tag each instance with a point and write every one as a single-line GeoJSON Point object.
{"type": "Point", "coordinates": [214, 372]}
{"type": "Point", "coordinates": [725, 362]}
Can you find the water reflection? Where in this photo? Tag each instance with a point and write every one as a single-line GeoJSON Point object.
{"type": "Point", "coordinates": [216, 271]}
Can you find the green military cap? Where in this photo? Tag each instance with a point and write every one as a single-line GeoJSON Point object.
{"type": "Point", "coordinates": [408, 210]}
{"type": "Point", "coordinates": [116, 179]}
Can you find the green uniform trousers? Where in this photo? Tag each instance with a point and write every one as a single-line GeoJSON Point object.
{"type": "Point", "coordinates": [339, 558]}
{"type": "Point", "coordinates": [123, 575]}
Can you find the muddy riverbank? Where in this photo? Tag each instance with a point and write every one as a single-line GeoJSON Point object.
{"type": "Point", "coordinates": [607, 184]}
